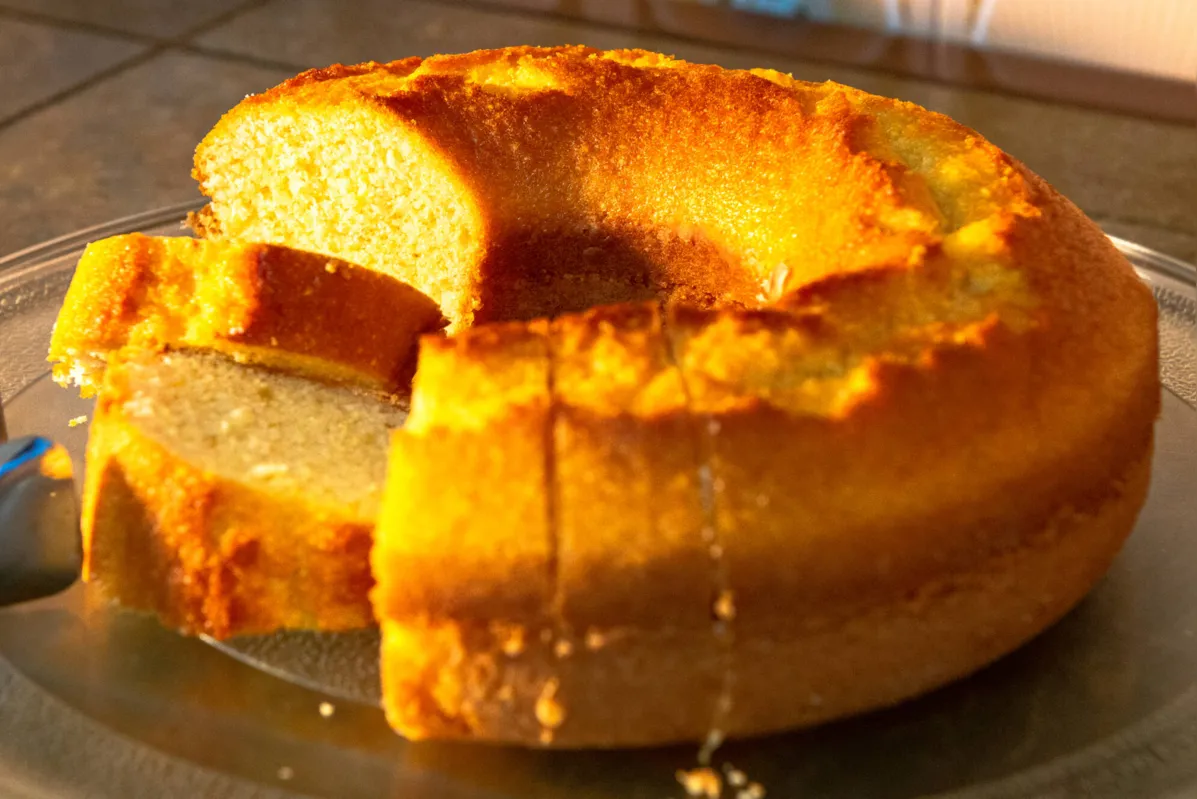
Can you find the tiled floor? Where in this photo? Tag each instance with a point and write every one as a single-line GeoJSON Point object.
{"type": "Point", "coordinates": [155, 18]}
{"type": "Point", "coordinates": [103, 101]}
{"type": "Point", "coordinates": [119, 147]}
{"type": "Point", "coordinates": [39, 62]}
{"type": "Point", "coordinates": [319, 32]}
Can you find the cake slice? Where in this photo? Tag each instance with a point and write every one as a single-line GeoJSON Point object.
{"type": "Point", "coordinates": [629, 506]}
{"type": "Point", "coordinates": [464, 555]}
{"type": "Point", "coordinates": [231, 499]}
{"type": "Point", "coordinates": [635, 569]}
{"type": "Point", "coordinates": [544, 530]}
{"type": "Point", "coordinates": [298, 311]}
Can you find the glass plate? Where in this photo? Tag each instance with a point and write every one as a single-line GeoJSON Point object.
{"type": "Point", "coordinates": [1102, 705]}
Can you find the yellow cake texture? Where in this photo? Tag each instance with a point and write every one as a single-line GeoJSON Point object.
{"type": "Point", "coordinates": [769, 402]}
{"type": "Point", "coordinates": [231, 499]}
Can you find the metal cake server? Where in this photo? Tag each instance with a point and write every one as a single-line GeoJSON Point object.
{"type": "Point", "coordinates": [41, 550]}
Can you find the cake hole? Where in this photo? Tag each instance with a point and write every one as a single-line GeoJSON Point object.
{"type": "Point", "coordinates": [537, 274]}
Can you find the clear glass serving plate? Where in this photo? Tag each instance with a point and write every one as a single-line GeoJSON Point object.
{"type": "Point", "coordinates": [1102, 705]}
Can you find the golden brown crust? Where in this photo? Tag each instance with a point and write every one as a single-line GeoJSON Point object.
{"type": "Point", "coordinates": [628, 502]}
{"type": "Point", "coordinates": [434, 507]}
{"type": "Point", "coordinates": [908, 466]}
{"type": "Point", "coordinates": [941, 631]}
{"type": "Point", "coordinates": [209, 554]}
{"type": "Point", "coordinates": [902, 357]}
{"type": "Point", "coordinates": [293, 310]}
{"type": "Point", "coordinates": [671, 206]}
{"type": "Point", "coordinates": [622, 687]}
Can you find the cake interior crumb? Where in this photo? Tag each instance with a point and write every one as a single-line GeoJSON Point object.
{"type": "Point", "coordinates": [703, 782]}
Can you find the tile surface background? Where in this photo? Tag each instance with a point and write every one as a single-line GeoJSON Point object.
{"type": "Point", "coordinates": [120, 147]}
{"type": "Point", "coordinates": [148, 17]}
{"type": "Point", "coordinates": [38, 62]}
{"type": "Point", "coordinates": [102, 102]}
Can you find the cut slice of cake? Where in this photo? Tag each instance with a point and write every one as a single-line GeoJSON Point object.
{"type": "Point", "coordinates": [232, 499]}
{"type": "Point", "coordinates": [635, 562]}
{"type": "Point", "coordinates": [629, 506]}
{"type": "Point", "coordinates": [543, 528]}
{"type": "Point", "coordinates": [295, 310]}
{"type": "Point", "coordinates": [464, 555]}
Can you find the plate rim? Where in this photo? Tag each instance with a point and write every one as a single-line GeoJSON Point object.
{"type": "Point", "coordinates": [14, 264]}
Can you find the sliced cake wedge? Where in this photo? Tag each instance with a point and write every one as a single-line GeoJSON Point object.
{"type": "Point", "coordinates": [231, 499]}
{"type": "Point", "coordinates": [465, 556]}
{"type": "Point", "coordinates": [299, 311]}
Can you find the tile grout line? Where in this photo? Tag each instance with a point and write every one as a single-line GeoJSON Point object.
{"type": "Point", "coordinates": [79, 26]}
{"type": "Point", "coordinates": [154, 48]}
{"type": "Point", "coordinates": [232, 56]}
{"type": "Point", "coordinates": [220, 19]}
{"type": "Point", "coordinates": [82, 86]}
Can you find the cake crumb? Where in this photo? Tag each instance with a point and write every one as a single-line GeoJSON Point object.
{"type": "Point", "coordinates": [286, 773]}
{"type": "Point", "coordinates": [709, 746]}
{"type": "Point", "coordinates": [735, 777]}
{"type": "Point", "coordinates": [725, 605]}
{"type": "Point", "coordinates": [331, 267]}
{"type": "Point", "coordinates": [595, 639]}
{"type": "Point", "coordinates": [78, 420]}
{"type": "Point", "coordinates": [56, 464]}
{"type": "Point", "coordinates": [327, 709]}
{"type": "Point", "coordinates": [754, 790]}
{"type": "Point", "coordinates": [512, 640]}
{"type": "Point", "coordinates": [549, 711]}
{"type": "Point", "coordinates": [563, 648]}
{"type": "Point", "coordinates": [702, 782]}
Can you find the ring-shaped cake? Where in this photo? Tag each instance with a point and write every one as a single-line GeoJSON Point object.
{"type": "Point", "coordinates": [866, 405]}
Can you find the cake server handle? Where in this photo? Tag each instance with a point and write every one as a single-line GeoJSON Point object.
{"type": "Point", "coordinates": [40, 547]}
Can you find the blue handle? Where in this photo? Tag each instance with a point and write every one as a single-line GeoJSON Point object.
{"type": "Point", "coordinates": [25, 450]}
